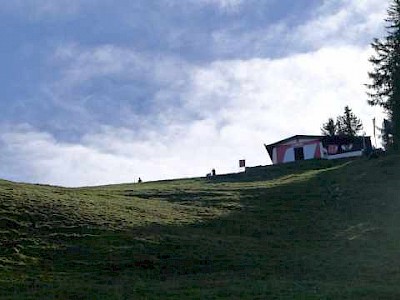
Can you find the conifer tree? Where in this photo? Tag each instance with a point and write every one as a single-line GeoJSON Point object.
{"type": "Point", "coordinates": [329, 128]}
{"type": "Point", "coordinates": [348, 123]}
{"type": "Point", "coordinates": [384, 89]}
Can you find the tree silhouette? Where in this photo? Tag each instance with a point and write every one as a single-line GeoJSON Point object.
{"type": "Point", "coordinates": [329, 128]}
{"type": "Point", "coordinates": [348, 123]}
{"type": "Point", "coordinates": [385, 87]}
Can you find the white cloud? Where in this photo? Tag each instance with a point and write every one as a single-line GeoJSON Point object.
{"type": "Point", "coordinates": [242, 104]}
{"type": "Point", "coordinates": [254, 43]}
{"type": "Point", "coordinates": [82, 66]}
{"type": "Point", "coordinates": [276, 98]}
{"type": "Point", "coordinates": [334, 23]}
{"type": "Point", "coordinates": [106, 157]}
{"type": "Point", "coordinates": [211, 115]}
{"type": "Point", "coordinates": [341, 22]}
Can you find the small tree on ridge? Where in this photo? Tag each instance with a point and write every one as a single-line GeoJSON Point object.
{"type": "Point", "coordinates": [329, 128]}
{"type": "Point", "coordinates": [348, 123]}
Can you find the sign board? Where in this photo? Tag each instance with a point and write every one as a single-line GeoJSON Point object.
{"type": "Point", "coordinates": [242, 163]}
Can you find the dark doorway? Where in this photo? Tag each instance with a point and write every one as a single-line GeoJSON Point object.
{"type": "Point", "coordinates": [299, 153]}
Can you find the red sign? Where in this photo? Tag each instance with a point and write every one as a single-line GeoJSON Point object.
{"type": "Point", "coordinates": [242, 163]}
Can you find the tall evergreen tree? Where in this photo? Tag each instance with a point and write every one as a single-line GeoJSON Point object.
{"type": "Point", "coordinates": [329, 128]}
{"type": "Point", "coordinates": [348, 123]}
{"type": "Point", "coordinates": [385, 87]}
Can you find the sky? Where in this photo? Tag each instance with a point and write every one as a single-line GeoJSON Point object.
{"type": "Point", "coordinates": [102, 92]}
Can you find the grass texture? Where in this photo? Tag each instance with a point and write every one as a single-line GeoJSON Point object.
{"type": "Point", "coordinates": [311, 230]}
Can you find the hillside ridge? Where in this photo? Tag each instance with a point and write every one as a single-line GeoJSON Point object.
{"type": "Point", "coordinates": [318, 229]}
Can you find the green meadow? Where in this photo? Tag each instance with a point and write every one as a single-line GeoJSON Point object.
{"type": "Point", "coordinates": [312, 230]}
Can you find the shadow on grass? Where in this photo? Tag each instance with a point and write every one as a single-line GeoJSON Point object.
{"type": "Point", "coordinates": [272, 172]}
{"type": "Point", "coordinates": [282, 236]}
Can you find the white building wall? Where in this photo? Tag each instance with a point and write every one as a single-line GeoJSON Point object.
{"type": "Point", "coordinates": [347, 154]}
{"type": "Point", "coordinates": [289, 155]}
{"type": "Point", "coordinates": [309, 151]}
{"type": "Point", "coordinates": [274, 156]}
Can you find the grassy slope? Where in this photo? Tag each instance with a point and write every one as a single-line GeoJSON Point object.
{"type": "Point", "coordinates": [314, 230]}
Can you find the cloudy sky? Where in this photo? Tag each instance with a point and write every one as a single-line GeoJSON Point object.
{"type": "Point", "coordinates": [104, 91]}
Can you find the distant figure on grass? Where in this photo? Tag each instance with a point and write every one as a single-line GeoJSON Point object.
{"type": "Point", "coordinates": [212, 174]}
{"type": "Point", "coordinates": [139, 180]}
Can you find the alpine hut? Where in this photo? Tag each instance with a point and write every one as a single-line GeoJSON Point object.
{"type": "Point", "coordinates": [304, 147]}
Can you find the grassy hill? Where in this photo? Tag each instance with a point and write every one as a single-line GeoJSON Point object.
{"type": "Point", "coordinates": [314, 230]}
